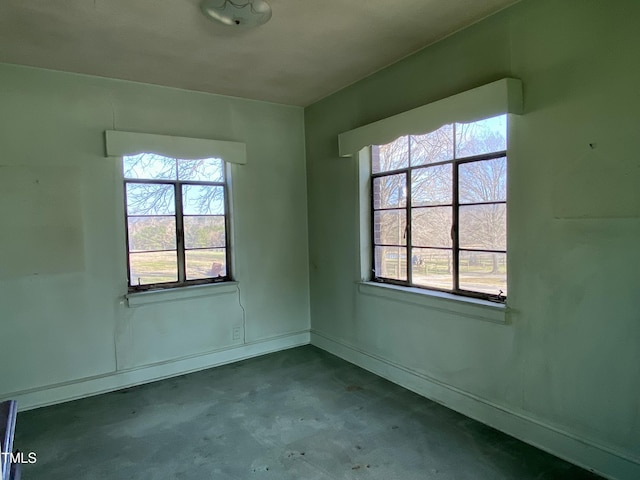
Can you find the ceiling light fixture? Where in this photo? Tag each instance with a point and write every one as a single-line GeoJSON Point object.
{"type": "Point", "coordinates": [240, 13]}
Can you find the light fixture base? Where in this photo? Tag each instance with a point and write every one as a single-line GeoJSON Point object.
{"type": "Point", "coordinates": [237, 13]}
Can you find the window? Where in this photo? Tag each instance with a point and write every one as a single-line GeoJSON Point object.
{"type": "Point", "coordinates": [439, 209]}
{"type": "Point", "coordinates": [177, 221]}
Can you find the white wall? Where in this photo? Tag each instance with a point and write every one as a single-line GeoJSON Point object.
{"type": "Point", "coordinates": [64, 328]}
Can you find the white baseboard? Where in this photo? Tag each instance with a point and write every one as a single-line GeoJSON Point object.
{"type": "Point", "coordinates": [87, 387]}
{"type": "Point", "coordinates": [583, 452]}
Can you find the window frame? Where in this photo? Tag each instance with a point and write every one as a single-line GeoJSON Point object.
{"type": "Point", "coordinates": [455, 220]}
{"type": "Point", "coordinates": [179, 230]}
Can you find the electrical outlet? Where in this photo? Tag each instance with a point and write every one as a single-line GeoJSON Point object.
{"type": "Point", "coordinates": [236, 333]}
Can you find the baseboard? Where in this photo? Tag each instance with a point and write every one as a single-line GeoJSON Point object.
{"type": "Point", "coordinates": [87, 387]}
{"type": "Point", "coordinates": [600, 459]}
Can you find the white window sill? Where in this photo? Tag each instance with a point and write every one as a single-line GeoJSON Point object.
{"type": "Point", "coordinates": [180, 293]}
{"type": "Point", "coordinates": [447, 302]}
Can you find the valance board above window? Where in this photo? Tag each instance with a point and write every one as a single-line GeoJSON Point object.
{"type": "Point", "coordinates": [119, 144]}
{"type": "Point", "coordinates": [496, 98]}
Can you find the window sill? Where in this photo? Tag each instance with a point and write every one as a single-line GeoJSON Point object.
{"type": "Point", "coordinates": [180, 293]}
{"type": "Point", "coordinates": [446, 302]}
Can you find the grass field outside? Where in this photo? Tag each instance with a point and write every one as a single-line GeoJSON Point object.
{"type": "Point", "coordinates": [161, 267]}
{"type": "Point", "coordinates": [479, 274]}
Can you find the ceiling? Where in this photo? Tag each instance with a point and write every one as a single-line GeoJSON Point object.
{"type": "Point", "coordinates": [308, 50]}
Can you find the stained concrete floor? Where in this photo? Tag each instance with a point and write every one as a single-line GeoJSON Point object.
{"type": "Point", "coordinates": [296, 414]}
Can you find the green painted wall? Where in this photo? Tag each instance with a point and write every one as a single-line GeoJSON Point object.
{"type": "Point", "coordinates": [62, 264]}
{"type": "Point", "coordinates": [570, 357]}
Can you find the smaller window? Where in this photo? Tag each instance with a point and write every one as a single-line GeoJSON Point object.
{"type": "Point", "coordinates": [177, 221]}
{"type": "Point", "coordinates": [439, 209]}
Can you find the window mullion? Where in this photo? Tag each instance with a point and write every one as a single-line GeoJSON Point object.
{"type": "Point", "coordinates": [372, 221]}
{"type": "Point", "coordinates": [408, 219]}
{"type": "Point", "coordinates": [180, 233]}
{"type": "Point", "coordinates": [455, 218]}
{"type": "Point", "coordinates": [227, 229]}
{"type": "Point", "coordinates": [126, 220]}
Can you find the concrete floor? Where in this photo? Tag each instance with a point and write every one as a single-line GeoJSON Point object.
{"type": "Point", "coordinates": [297, 414]}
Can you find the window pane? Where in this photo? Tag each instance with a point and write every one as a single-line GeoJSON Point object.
{"type": "Point", "coordinates": [152, 233]}
{"type": "Point", "coordinates": [204, 169]}
{"type": "Point", "coordinates": [204, 232]}
{"type": "Point", "coordinates": [206, 263]}
{"type": "Point", "coordinates": [431, 186]}
{"type": "Point", "coordinates": [154, 267]}
{"type": "Point", "coordinates": [433, 147]}
{"type": "Point", "coordinates": [484, 227]}
{"type": "Point", "coordinates": [483, 181]}
{"type": "Point", "coordinates": [202, 200]}
{"type": "Point", "coordinates": [431, 227]}
{"type": "Point", "coordinates": [391, 156]}
{"type": "Point", "coordinates": [432, 268]}
{"type": "Point", "coordinates": [391, 262]}
{"type": "Point", "coordinates": [484, 136]}
{"type": "Point", "coordinates": [389, 227]}
{"type": "Point", "coordinates": [390, 191]}
{"type": "Point", "coordinates": [150, 199]}
{"type": "Point", "coordinates": [149, 166]}
{"type": "Point", "coordinates": [483, 272]}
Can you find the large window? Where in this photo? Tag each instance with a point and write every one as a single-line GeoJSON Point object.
{"type": "Point", "coordinates": [439, 209]}
{"type": "Point", "coordinates": [177, 221]}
